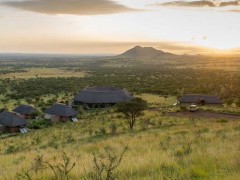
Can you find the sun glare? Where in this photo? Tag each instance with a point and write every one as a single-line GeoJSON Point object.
{"type": "Point", "coordinates": [222, 47]}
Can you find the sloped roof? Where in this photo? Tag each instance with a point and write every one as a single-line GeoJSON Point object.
{"type": "Point", "coordinates": [61, 110]}
{"type": "Point", "coordinates": [11, 119]}
{"type": "Point", "coordinates": [196, 98]}
{"type": "Point", "coordinates": [25, 109]}
{"type": "Point", "coordinates": [99, 95]}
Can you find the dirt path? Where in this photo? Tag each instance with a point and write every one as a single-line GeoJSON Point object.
{"type": "Point", "coordinates": [204, 114]}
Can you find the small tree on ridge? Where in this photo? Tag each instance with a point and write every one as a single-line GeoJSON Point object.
{"type": "Point", "coordinates": [132, 110]}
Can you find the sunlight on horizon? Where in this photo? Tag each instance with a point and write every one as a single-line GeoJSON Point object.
{"type": "Point", "coordinates": [39, 30]}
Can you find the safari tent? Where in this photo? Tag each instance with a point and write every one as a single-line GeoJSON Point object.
{"type": "Point", "coordinates": [60, 113]}
{"type": "Point", "coordinates": [12, 123]}
{"type": "Point", "coordinates": [201, 100]}
{"type": "Point", "coordinates": [25, 111]}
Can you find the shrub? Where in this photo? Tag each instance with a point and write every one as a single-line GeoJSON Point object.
{"type": "Point", "coordinates": [38, 164]}
{"type": "Point", "coordinates": [237, 128]}
{"type": "Point", "coordinates": [169, 171]}
{"type": "Point", "coordinates": [70, 138]}
{"type": "Point", "coordinates": [165, 143]}
{"type": "Point", "coordinates": [11, 149]}
{"type": "Point", "coordinates": [36, 140]}
{"type": "Point", "coordinates": [102, 131]}
{"type": "Point", "coordinates": [185, 150]}
{"type": "Point", "coordinates": [105, 165]}
{"type": "Point", "coordinates": [113, 129]}
{"type": "Point", "coordinates": [222, 121]}
{"type": "Point", "coordinates": [18, 160]}
{"type": "Point", "coordinates": [53, 144]}
{"type": "Point", "coordinates": [23, 175]}
{"type": "Point", "coordinates": [90, 131]}
{"type": "Point", "coordinates": [199, 173]}
{"type": "Point", "coordinates": [183, 108]}
{"type": "Point", "coordinates": [39, 124]}
{"type": "Point", "coordinates": [62, 170]}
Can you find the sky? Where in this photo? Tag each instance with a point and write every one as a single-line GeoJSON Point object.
{"type": "Point", "coordinates": [113, 26]}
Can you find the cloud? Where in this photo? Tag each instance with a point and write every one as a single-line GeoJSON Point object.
{"type": "Point", "coordinates": [229, 3]}
{"type": "Point", "coordinates": [200, 3]}
{"type": "Point", "coordinates": [235, 10]}
{"type": "Point", "coordinates": [189, 4]}
{"type": "Point", "coordinates": [75, 7]}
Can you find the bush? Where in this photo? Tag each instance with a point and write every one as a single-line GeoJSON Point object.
{"type": "Point", "coordinates": [113, 129]}
{"type": "Point", "coordinates": [222, 121]}
{"type": "Point", "coordinates": [169, 171]}
{"type": "Point", "coordinates": [185, 150]}
{"type": "Point", "coordinates": [62, 170]}
{"type": "Point", "coordinates": [11, 149]}
{"type": "Point", "coordinates": [105, 165]}
{"type": "Point", "coordinates": [39, 124]}
{"type": "Point", "coordinates": [183, 108]}
{"type": "Point", "coordinates": [199, 174]}
{"type": "Point", "coordinates": [102, 131]}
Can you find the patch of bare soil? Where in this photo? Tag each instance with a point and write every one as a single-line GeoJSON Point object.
{"type": "Point", "coordinates": [204, 114]}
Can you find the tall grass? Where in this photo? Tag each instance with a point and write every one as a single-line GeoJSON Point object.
{"type": "Point", "coordinates": [166, 148]}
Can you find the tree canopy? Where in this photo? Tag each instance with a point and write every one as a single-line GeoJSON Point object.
{"type": "Point", "coordinates": [132, 110]}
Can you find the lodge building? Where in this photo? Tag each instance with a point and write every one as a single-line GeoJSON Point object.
{"type": "Point", "coordinates": [101, 97]}
{"type": "Point", "coordinates": [201, 100]}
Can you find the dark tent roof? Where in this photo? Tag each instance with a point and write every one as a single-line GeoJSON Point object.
{"type": "Point", "coordinates": [25, 109]}
{"type": "Point", "coordinates": [195, 98]}
{"type": "Point", "coordinates": [11, 119]}
{"type": "Point", "coordinates": [100, 95]}
{"type": "Point", "coordinates": [61, 110]}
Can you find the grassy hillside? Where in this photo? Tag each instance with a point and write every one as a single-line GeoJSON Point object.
{"type": "Point", "coordinates": [160, 147]}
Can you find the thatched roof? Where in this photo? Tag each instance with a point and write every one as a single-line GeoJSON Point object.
{"type": "Point", "coordinates": [197, 98]}
{"type": "Point", "coordinates": [103, 95]}
{"type": "Point", "coordinates": [61, 110]}
{"type": "Point", "coordinates": [25, 109]}
{"type": "Point", "coordinates": [11, 119]}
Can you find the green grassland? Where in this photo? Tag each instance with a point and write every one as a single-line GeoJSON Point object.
{"type": "Point", "coordinates": [158, 148]}
{"type": "Point", "coordinates": [42, 72]}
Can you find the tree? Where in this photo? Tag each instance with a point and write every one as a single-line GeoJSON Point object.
{"type": "Point", "coordinates": [229, 101]}
{"type": "Point", "coordinates": [5, 101]}
{"type": "Point", "coordinates": [238, 102]}
{"type": "Point", "coordinates": [132, 110]}
{"type": "Point", "coordinates": [165, 97]}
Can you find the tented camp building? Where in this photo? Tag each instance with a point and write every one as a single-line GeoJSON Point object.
{"type": "Point", "coordinates": [25, 111]}
{"type": "Point", "coordinates": [201, 100]}
{"type": "Point", "coordinates": [60, 113]}
{"type": "Point", "coordinates": [11, 122]}
{"type": "Point", "coordinates": [101, 97]}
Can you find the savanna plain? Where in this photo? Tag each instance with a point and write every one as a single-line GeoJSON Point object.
{"type": "Point", "coordinates": [101, 145]}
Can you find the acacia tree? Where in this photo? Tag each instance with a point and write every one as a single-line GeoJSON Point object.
{"type": "Point", "coordinates": [238, 102]}
{"type": "Point", "coordinates": [132, 110]}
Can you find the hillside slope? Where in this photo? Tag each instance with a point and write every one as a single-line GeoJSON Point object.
{"type": "Point", "coordinates": [160, 147]}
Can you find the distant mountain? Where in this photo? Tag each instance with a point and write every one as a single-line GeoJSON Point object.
{"type": "Point", "coordinates": [145, 52]}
